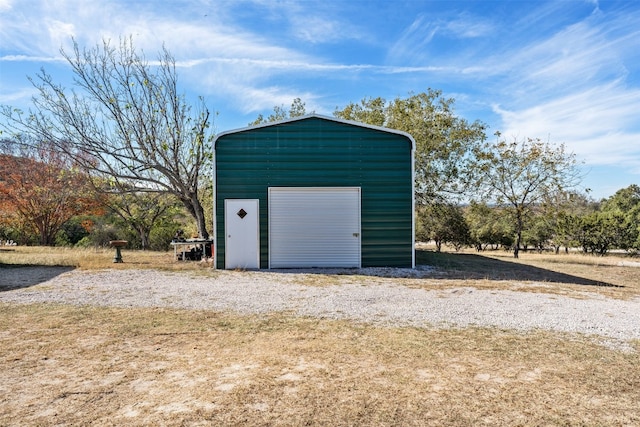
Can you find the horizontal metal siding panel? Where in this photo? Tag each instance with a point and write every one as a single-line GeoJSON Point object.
{"type": "Point", "coordinates": [317, 153]}
{"type": "Point", "coordinates": [314, 227]}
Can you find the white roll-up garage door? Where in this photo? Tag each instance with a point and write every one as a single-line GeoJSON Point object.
{"type": "Point", "coordinates": [314, 227]}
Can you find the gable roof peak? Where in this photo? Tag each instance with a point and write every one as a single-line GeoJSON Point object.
{"type": "Point", "coordinates": [318, 116]}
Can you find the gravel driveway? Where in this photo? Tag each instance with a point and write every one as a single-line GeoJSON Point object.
{"type": "Point", "coordinates": [375, 299]}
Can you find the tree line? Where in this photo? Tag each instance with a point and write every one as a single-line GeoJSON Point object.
{"type": "Point", "coordinates": [127, 142]}
{"type": "Point", "coordinates": [46, 200]}
{"type": "Point", "coordinates": [567, 221]}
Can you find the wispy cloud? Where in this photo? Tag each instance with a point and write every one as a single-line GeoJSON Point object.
{"type": "Point", "coordinates": [252, 100]}
{"type": "Point", "coordinates": [573, 87]}
{"type": "Point", "coordinates": [317, 23]}
{"type": "Point", "coordinates": [9, 96]}
{"type": "Point", "coordinates": [52, 26]}
{"type": "Point", "coordinates": [316, 29]}
{"type": "Point", "coordinates": [25, 58]}
{"type": "Point", "coordinates": [599, 123]}
{"type": "Point", "coordinates": [411, 45]}
{"type": "Point", "coordinates": [583, 53]}
{"type": "Point", "coordinates": [467, 26]}
{"type": "Point", "coordinates": [426, 33]}
{"type": "Point", "coordinates": [289, 66]}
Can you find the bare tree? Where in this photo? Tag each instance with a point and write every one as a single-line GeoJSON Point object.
{"type": "Point", "coordinates": [125, 119]}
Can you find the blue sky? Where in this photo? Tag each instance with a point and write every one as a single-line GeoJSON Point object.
{"type": "Point", "coordinates": [564, 71]}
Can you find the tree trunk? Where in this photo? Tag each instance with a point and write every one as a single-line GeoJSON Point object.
{"type": "Point", "coordinates": [519, 226]}
{"type": "Point", "coordinates": [202, 223]}
{"type": "Point", "coordinates": [194, 207]}
{"type": "Point", "coordinates": [144, 237]}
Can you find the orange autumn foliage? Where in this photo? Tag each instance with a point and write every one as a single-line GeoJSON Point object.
{"type": "Point", "coordinates": [40, 193]}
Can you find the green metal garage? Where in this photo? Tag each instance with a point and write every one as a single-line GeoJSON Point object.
{"type": "Point", "coordinates": [313, 191]}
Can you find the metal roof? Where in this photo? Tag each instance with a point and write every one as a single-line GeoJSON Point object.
{"type": "Point", "coordinates": [319, 116]}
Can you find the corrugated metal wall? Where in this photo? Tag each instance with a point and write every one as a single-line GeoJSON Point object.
{"type": "Point", "coordinates": [318, 152]}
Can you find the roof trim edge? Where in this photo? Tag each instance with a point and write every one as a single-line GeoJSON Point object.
{"type": "Point", "coordinates": [319, 116]}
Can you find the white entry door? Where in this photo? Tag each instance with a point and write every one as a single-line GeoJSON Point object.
{"type": "Point", "coordinates": [242, 233]}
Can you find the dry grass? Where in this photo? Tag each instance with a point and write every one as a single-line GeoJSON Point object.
{"type": "Point", "coordinates": [94, 258]}
{"type": "Point", "coordinates": [65, 365]}
{"type": "Point", "coordinates": [571, 274]}
{"type": "Point", "coordinates": [91, 366]}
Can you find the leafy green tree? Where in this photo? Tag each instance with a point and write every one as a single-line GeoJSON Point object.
{"type": "Point", "coordinates": [519, 175]}
{"type": "Point", "coordinates": [568, 232]}
{"type": "Point", "coordinates": [488, 226]}
{"type": "Point", "coordinates": [625, 204]}
{"type": "Point", "coordinates": [624, 200]}
{"type": "Point", "coordinates": [444, 141]}
{"type": "Point", "coordinates": [73, 231]}
{"type": "Point", "coordinates": [372, 111]}
{"type": "Point", "coordinates": [125, 120]}
{"type": "Point", "coordinates": [102, 229]}
{"type": "Point", "coordinates": [562, 213]}
{"type": "Point", "coordinates": [297, 109]}
{"type": "Point", "coordinates": [444, 224]}
{"type": "Point", "coordinates": [602, 231]}
{"type": "Point", "coordinates": [142, 211]}
{"type": "Point", "coordinates": [539, 232]}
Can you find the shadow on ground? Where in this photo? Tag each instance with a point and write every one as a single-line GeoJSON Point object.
{"type": "Point", "coordinates": [454, 266]}
{"type": "Point", "coordinates": [16, 276]}
{"type": "Point", "coordinates": [471, 266]}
